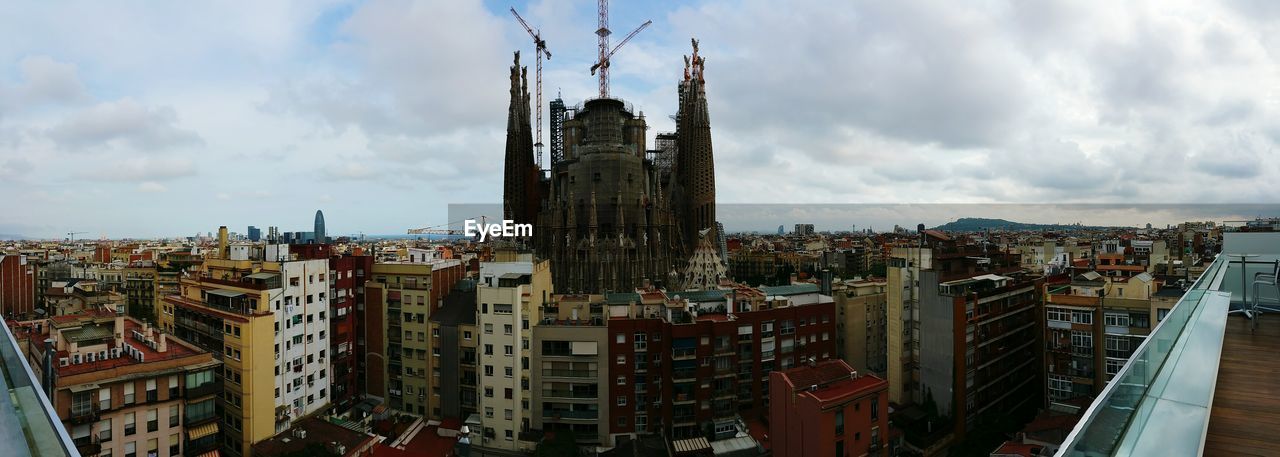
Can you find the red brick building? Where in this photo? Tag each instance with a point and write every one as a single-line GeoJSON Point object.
{"type": "Point", "coordinates": [828, 410]}
{"type": "Point", "coordinates": [17, 286]}
{"type": "Point", "coordinates": [691, 364]}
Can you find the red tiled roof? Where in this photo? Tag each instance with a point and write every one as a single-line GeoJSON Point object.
{"type": "Point", "coordinates": [173, 350]}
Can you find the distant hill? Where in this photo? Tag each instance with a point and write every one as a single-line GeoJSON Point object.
{"type": "Point", "coordinates": [10, 236]}
{"type": "Point", "coordinates": [978, 224]}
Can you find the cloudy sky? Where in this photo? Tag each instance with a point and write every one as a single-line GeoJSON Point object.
{"type": "Point", "coordinates": [156, 119]}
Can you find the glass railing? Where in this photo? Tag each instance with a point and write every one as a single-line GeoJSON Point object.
{"type": "Point", "coordinates": [28, 424]}
{"type": "Point", "coordinates": [1117, 418]}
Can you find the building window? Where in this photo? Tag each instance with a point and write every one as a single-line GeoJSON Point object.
{"type": "Point", "coordinates": [622, 400]}
{"type": "Point", "coordinates": [1114, 366]}
{"type": "Point", "coordinates": [1059, 314]}
{"type": "Point", "coordinates": [173, 415]}
{"type": "Point", "coordinates": [1059, 386]}
{"type": "Point", "coordinates": [1082, 317]}
{"type": "Point", "coordinates": [466, 335]}
{"type": "Point", "coordinates": [488, 328]}
{"type": "Point", "coordinates": [488, 411]}
{"type": "Point", "coordinates": [622, 380]}
{"type": "Point", "coordinates": [506, 329]}
{"type": "Point", "coordinates": [1116, 319]}
{"type": "Point", "coordinates": [130, 424]}
{"type": "Point", "coordinates": [508, 393]}
{"type": "Point", "coordinates": [839, 423]}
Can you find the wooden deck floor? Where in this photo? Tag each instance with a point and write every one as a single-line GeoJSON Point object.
{"type": "Point", "coordinates": [1245, 419]}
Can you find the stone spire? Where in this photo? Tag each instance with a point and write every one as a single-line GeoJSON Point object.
{"type": "Point", "coordinates": [695, 169]}
{"type": "Point", "coordinates": [520, 174]}
{"type": "Point", "coordinates": [704, 269]}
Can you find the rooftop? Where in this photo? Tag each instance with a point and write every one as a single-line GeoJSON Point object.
{"type": "Point", "coordinates": [316, 431]}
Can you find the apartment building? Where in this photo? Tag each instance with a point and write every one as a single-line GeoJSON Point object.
{"type": "Point", "coordinates": [453, 327]}
{"type": "Point", "coordinates": [571, 385]}
{"type": "Point", "coordinates": [267, 319]}
{"type": "Point", "coordinates": [861, 322]}
{"type": "Point", "coordinates": [400, 298]}
{"type": "Point", "coordinates": [696, 363]}
{"type": "Point", "coordinates": [963, 327]}
{"type": "Point", "coordinates": [121, 387]}
{"type": "Point", "coordinates": [828, 409]}
{"type": "Point", "coordinates": [510, 298]}
{"type": "Point", "coordinates": [1093, 323]}
{"type": "Point", "coordinates": [347, 275]}
{"type": "Point", "coordinates": [140, 288]}
{"type": "Point", "coordinates": [17, 286]}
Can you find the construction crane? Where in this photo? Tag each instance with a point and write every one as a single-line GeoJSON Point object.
{"type": "Point", "coordinates": [540, 48]}
{"type": "Point", "coordinates": [605, 53]}
{"type": "Point", "coordinates": [436, 230]}
{"type": "Point", "coordinates": [71, 236]}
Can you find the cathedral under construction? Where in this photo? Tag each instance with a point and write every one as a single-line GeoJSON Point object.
{"type": "Point", "coordinates": [611, 213]}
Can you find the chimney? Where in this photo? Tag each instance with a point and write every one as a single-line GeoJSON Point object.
{"type": "Point", "coordinates": [222, 242]}
{"type": "Point", "coordinates": [161, 343]}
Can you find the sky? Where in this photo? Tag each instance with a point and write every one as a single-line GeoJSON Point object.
{"type": "Point", "coordinates": [147, 119]}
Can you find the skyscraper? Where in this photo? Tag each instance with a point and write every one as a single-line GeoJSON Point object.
{"type": "Point", "coordinates": [254, 233]}
{"type": "Point", "coordinates": [319, 229]}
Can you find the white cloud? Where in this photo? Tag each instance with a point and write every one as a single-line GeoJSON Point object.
{"type": "Point", "coordinates": [151, 187]}
{"type": "Point", "coordinates": [123, 123]}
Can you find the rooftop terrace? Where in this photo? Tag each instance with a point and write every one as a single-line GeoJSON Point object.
{"type": "Point", "coordinates": [1203, 382]}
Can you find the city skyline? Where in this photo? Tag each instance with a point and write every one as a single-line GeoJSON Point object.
{"type": "Point", "coordinates": [345, 106]}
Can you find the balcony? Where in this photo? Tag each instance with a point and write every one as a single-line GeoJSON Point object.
{"type": "Point", "coordinates": [85, 415]}
{"type": "Point", "coordinates": [557, 414]}
{"type": "Point", "coordinates": [569, 373]}
{"type": "Point", "coordinates": [28, 424]}
{"type": "Point", "coordinates": [1202, 381]}
{"type": "Point", "coordinates": [569, 394]}
{"type": "Point", "coordinates": [88, 445]}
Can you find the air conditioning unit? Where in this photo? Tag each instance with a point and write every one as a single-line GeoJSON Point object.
{"type": "Point", "coordinates": [90, 357]}
{"type": "Point", "coordinates": [102, 355]}
{"type": "Point", "coordinates": [75, 358]}
{"type": "Point", "coordinates": [62, 362]}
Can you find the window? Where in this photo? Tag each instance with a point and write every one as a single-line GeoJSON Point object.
{"type": "Point", "coordinates": [488, 370]}
{"type": "Point", "coordinates": [507, 414]}
{"type": "Point", "coordinates": [488, 328]}
{"type": "Point", "coordinates": [839, 423]}
{"type": "Point", "coordinates": [1082, 339]}
{"type": "Point", "coordinates": [506, 329]}
{"type": "Point", "coordinates": [488, 349]}
{"type": "Point", "coordinates": [488, 411]}
{"type": "Point", "coordinates": [128, 393]}
{"type": "Point", "coordinates": [508, 371]}
{"type": "Point", "coordinates": [1059, 386]}
{"type": "Point", "coordinates": [507, 350]}
{"type": "Point", "coordinates": [875, 409]}
{"type": "Point", "coordinates": [620, 338]}
{"type": "Point", "coordinates": [1161, 313]}
{"type": "Point", "coordinates": [488, 391]}
{"type": "Point", "coordinates": [466, 335]}
{"type": "Point", "coordinates": [1116, 319]}
{"type": "Point", "coordinates": [622, 380]}
{"type": "Point", "coordinates": [130, 424]}
{"type": "Point", "coordinates": [622, 360]}
{"type": "Point", "coordinates": [1082, 317]}
{"type": "Point", "coordinates": [508, 393]}
{"type": "Point", "coordinates": [131, 449]}
{"type": "Point", "coordinates": [173, 384]}
{"type": "Point", "coordinates": [153, 422]}
{"type": "Point", "coordinates": [173, 445]}
{"type": "Point", "coordinates": [1059, 314]}
{"type": "Point", "coordinates": [173, 415]}
{"type": "Point", "coordinates": [1113, 366]}
{"type": "Point", "coordinates": [622, 400]}
{"type": "Point", "coordinates": [104, 398]}
{"type": "Point", "coordinates": [1118, 347]}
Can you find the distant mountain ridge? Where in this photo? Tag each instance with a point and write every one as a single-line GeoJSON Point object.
{"type": "Point", "coordinates": [977, 224]}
